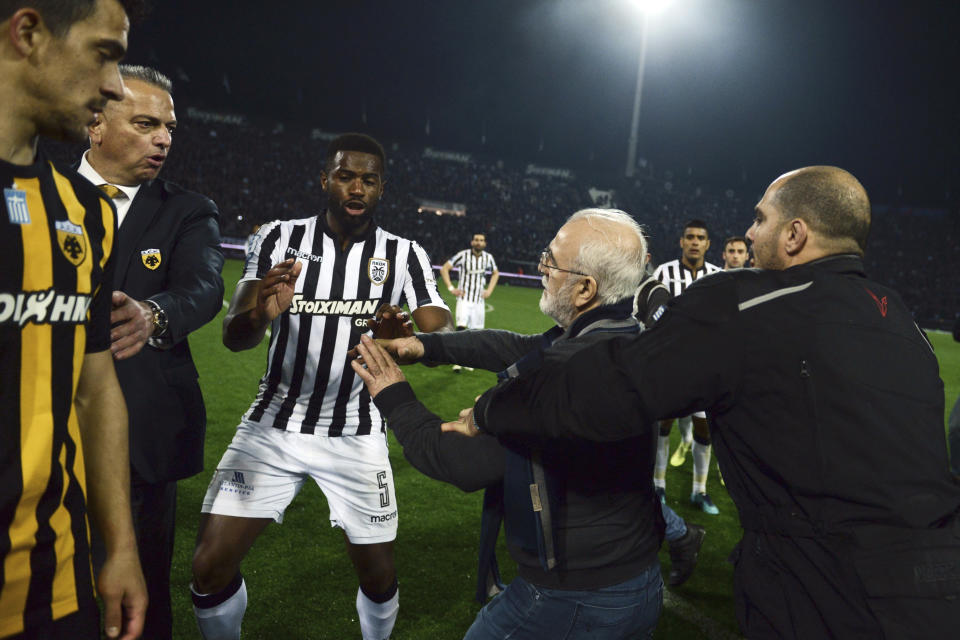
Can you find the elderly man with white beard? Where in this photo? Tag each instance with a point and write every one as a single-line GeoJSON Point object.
{"type": "Point", "coordinates": [581, 519]}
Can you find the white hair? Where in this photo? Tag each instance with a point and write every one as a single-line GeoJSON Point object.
{"type": "Point", "coordinates": [615, 255]}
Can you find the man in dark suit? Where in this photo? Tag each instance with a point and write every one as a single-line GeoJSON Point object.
{"type": "Point", "coordinates": [167, 284]}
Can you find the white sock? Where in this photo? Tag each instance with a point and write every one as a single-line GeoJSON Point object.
{"type": "Point", "coordinates": [701, 466]}
{"type": "Point", "coordinates": [377, 618]}
{"type": "Point", "coordinates": [686, 428]}
{"type": "Point", "coordinates": [219, 618]}
{"type": "Point", "coordinates": [660, 469]}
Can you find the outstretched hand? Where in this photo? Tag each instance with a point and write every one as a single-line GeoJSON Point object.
{"type": "Point", "coordinates": [390, 321]}
{"type": "Point", "coordinates": [404, 350]}
{"type": "Point", "coordinates": [277, 289]}
{"type": "Point", "coordinates": [465, 424]}
{"type": "Point", "coordinates": [375, 366]}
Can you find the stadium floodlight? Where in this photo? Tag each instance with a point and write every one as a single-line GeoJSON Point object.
{"type": "Point", "coordinates": [648, 8]}
{"type": "Point", "coordinates": [653, 7]}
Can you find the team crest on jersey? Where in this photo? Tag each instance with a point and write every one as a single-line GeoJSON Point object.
{"type": "Point", "coordinates": [71, 241]}
{"type": "Point", "coordinates": [150, 258]}
{"type": "Point", "coordinates": [377, 270]}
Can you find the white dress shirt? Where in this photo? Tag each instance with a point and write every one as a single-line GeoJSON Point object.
{"type": "Point", "coordinates": [123, 200]}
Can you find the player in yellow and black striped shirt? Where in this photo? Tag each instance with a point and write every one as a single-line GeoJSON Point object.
{"type": "Point", "coordinates": [63, 438]}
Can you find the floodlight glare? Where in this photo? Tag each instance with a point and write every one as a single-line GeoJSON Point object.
{"type": "Point", "coordinates": [653, 7]}
{"type": "Point", "coordinates": [648, 8]}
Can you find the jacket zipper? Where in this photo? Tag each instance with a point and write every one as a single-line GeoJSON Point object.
{"type": "Point", "coordinates": [810, 397]}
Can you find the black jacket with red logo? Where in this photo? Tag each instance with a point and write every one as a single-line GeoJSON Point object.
{"type": "Point", "coordinates": [826, 413]}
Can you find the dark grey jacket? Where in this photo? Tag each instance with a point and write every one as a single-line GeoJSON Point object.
{"type": "Point", "coordinates": [606, 521]}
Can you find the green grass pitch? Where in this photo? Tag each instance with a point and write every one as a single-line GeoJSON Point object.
{"type": "Point", "coordinates": [301, 584]}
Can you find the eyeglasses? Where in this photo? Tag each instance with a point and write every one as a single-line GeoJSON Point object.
{"type": "Point", "coordinates": [546, 255]}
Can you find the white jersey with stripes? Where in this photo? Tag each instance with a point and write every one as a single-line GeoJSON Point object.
{"type": "Point", "coordinates": [473, 273]}
{"type": "Point", "coordinates": [676, 276]}
{"type": "Point", "coordinates": [309, 386]}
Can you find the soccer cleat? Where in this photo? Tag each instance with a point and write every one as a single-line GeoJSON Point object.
{"type": "Point", "coordinates": [456, 368]}
{"type": "Point", "coordinates": [680, 455]}
{"type": "Point", "coordinates": [703, 501]}
{"type": "Point", "coordinates": [468, 368]}
{"type": "Point", "coordinates": [684, 554]}
{"type": "Point", "coordinates": [662, 494]}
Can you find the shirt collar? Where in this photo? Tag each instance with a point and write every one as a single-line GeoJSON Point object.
{"type": "Point", "coordinates": [840, 262]}
{"type": "Point", "coordinates": [87, 171]}
{"type": "Point", "coordinates": [618, 315]}
{"type": "Point", "coordinates": [369, 234]}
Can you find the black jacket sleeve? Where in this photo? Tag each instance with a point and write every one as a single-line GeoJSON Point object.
{"type": "Point", "coordinates": [687, 362]}
{"type": "Point", "coordinates": [467, 463]}
{"type": "Point", "coordinates": [490, 349]}
{"type": "Point", "coordinates": [193, 293]}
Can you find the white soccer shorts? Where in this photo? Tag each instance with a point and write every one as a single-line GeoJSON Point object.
{"type": "Point", "coordinates": [264, 468]}
{"type": "Point", "coordinates": [471, 314]}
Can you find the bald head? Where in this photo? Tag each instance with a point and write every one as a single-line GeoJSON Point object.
{"type": "Point", "coordinates": [831, 201]}
{"type": "Point", "coordinates": [612, 249]}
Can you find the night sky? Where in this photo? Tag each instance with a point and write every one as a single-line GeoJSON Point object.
{"type": "Point", "coordinates": [735, 91]}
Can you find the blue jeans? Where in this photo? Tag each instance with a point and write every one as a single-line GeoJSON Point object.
{"type": "Point", "coordinates": [676, 527]}
{"type": "Point", "coordinates": [526, 612]}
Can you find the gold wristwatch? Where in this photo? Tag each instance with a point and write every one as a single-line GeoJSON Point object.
{"type": "Point", "coordinates": [159, 318]}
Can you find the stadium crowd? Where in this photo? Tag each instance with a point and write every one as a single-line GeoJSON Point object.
{"type": "Point", "coordinates": [257, 173]}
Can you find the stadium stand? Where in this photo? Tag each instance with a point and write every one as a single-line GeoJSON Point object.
{"type": "Point", "coordinates": [259, 172]}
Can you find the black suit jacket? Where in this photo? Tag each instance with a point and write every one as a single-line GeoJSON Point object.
{"type": "Point", "coordinates": [168, 251]}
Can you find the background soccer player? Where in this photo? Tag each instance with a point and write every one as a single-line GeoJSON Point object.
{"type": "Point", "coordinates": [735, 253]}
{"type": "Point", "coordinates": [677, 275]}
{"type": "Point", "coordinates": [315, 281]}
{"type": "Point", "coordinates": [471, 290]}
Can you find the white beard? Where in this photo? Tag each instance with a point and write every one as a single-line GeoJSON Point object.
{"type": "Point", "coordinates": [557, 307]}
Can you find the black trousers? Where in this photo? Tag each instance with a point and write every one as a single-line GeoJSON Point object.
{"type": "Point", "coordinates": [154, 515]}
{"type": "Point", "coordinates": [154, 508]}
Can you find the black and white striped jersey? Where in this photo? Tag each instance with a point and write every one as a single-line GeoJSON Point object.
{"type": "Point", "coordinates": [309, 385]}
{"type": "Point", "coordinates": [677, 276]}
{"type": "Point", "coordinates": [473, 273]}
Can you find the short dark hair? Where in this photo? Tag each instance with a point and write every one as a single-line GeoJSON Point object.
{"type": "Point", "coordinates": [734, 239]}
{"type": "Point", "coordinates": [146, 74]}
{"type": "Point", "coordinates": [830, 200]}
{"type": "Point", "coordinates": [60, 15]}
{"type": "Point", "coordinates": [696, 223]}
{"type": "Point", "coordinates": [354, 142]}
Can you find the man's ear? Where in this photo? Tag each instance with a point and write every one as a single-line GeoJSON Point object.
{"type": "Point", "coordinates": [323, 181]}
{"type": "Point", "coordinates": [797, 236]}
{"type": "Point", "coordinates": [586, 292]}
{"type": "Point", "coordinates": [27, 31]}
{"type": "Point", "coordinates": [95, 130]}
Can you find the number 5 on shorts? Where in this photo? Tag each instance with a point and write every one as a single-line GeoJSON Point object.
{"type": "Point", "coordinates": [384, 488]}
